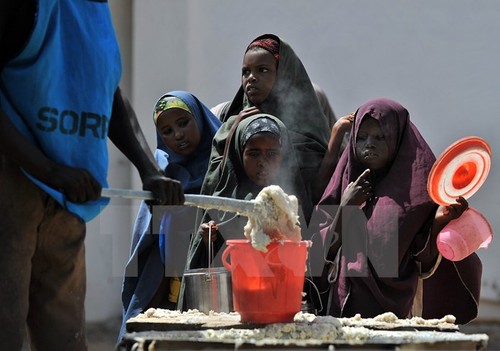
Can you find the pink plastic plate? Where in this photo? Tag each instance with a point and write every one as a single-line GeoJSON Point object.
{"type": "Point", "coordinates": [460, 170]}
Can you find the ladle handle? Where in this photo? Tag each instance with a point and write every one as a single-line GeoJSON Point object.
{"type": "Point", "coordinates": [127, 194]}
{"type": "Point", "coordinates": [243, 207]}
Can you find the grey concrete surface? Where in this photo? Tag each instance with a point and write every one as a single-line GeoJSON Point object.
{"type": "Point", "coordinates": [102, 336]}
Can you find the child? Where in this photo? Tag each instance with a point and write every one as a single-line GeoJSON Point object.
{"type": "Point", "coordinates": [185, 128]}
{"type": "Point", "coordinates": [257, 157]}
{"type": "Point", "coordinates": [275, 81]}
{"type": "Point", "coordinates": [372, 265]}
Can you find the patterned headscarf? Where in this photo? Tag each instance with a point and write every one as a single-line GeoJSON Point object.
{"type": "Point", "coordinates": [269, 44]}
{"type": "Point", "coordinates": [260, 125]}
{"type": "Point", "coordinates": [168, 102]}
{"type": "Point", "coordinates": [233, 182]}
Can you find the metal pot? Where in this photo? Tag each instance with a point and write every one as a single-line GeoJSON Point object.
{"type": "Point", "coordinates": [209, 289]}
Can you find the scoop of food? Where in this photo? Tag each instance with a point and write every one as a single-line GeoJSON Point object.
{"type": "Point", "coordinates": [275, 217]}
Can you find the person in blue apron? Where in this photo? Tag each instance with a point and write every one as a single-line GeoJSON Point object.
{"type": "Point", "coordinates": [59, 103]}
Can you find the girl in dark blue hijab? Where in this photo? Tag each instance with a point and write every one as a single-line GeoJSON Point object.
{"type": "Point", "coordinates": [185, 129]}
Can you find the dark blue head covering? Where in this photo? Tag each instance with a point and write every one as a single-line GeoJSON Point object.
{"type": "Point", "coordinates": [191, 170]}
{"type": "Point", "coordinates": [160, 253]}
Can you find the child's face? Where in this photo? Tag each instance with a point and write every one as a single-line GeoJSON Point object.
{"type": "Point", "coordinates": [262, 158]}
{"type": "Point", "coordinates": [258, 74]}
{"type": "Point", "coordinates": [371, 147]}
{"type": "Point", "coordinates": [179, 131]}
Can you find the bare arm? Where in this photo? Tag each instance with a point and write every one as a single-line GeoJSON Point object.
{"type": "Point", "coordinates": [77, 184]}
{"type": "Point", "coordinates": [342, 126]}
{"type": "Point", "coordinates": [125, 132]}
{"type": "Point", "coordinates": [444, 215]}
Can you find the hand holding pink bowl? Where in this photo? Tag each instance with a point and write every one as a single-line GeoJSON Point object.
{"type": "Point", "coordinates": [460, 171]}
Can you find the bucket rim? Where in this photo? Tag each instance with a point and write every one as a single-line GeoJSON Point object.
{"type": "Point", "coordinates": [308, 243]}
{"type": "Point", "coordinates": [205, 271]}
{"type": "Point", "coordinates": [482, 218]}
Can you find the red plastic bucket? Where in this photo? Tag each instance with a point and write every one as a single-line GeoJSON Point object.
{"type": "Point", "coordinates": [267, 287]}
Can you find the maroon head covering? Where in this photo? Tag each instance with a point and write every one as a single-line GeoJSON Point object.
{"type": "Point", "coordinates": [270, 44]}
{"type": "Point", "coordinates": [398, 217]}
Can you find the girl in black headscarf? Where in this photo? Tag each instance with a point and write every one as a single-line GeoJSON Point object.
{"type": "Point", "coordinates": [248, 169]}
{"type": "Point", "coordinates": [275, 81]}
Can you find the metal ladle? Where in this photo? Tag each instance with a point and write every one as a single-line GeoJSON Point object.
{"type": "Point", "coordinates": [243, 207]}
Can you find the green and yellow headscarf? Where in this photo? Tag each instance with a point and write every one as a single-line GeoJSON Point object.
{"type": "Point", "coordinates": [168, 102]}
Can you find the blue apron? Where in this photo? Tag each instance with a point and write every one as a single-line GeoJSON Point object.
{"type": "Point", "coordinates": [59, 90]}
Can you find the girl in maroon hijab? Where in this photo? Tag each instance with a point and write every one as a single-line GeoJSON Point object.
{"type": "Point", "coordinates": [383, 235]}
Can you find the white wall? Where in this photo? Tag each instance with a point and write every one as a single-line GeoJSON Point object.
{"type": "Point", "coordinates": [108, 236]}
{"type": "Point", "coordinates": [438, 58]}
